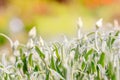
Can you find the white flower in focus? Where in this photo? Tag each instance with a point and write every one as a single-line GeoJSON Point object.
{"type": "Point", "coordinates": [30, 44]}
{"type": "Point", "coordinates": [99, 23]}
{"type": "Point", "coordinates": [32, 32]}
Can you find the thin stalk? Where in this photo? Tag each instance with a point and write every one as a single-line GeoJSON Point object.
{"type": "Point", "coordinates": [10, 40]}
{"type": "Point", "coordinates": [96, 40]}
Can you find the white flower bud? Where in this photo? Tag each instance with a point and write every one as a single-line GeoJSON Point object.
{"type": "Point", "coordinates": [32, 32]}
{"type": "Point", "coordinates": [30, 44]}
{"type": "Point", "coordinates": [85, 37]}
{"type": "Point", "coordinates": [99, 23]}
{"type": "Point", "coordinates": [16, 53]}
{"type": "Point", "coordinates": [65, 39]}
{"type": "Point", "coordinates": [79, 23]}
{"type": "Point", "coordinates": [41, 41]}
{"type": "Point", "coordinates": [116, 25]}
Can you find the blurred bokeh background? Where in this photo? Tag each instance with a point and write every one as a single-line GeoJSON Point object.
{"type": "Point", "coordinates": [52, 17]}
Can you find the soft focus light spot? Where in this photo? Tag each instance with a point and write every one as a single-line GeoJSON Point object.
{"type": "Point", "coordinates": [16, 25]}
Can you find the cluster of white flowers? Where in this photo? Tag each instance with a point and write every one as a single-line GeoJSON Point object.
{"type": "Point", "coordinates": [94, 56]}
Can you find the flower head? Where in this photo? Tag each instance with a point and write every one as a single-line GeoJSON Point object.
{"type": "Point", "coordinates": [30, 44]}
{"type": "Point", "coordinates": [32, 32]}
{"type": "Point", "coordinates": [99, 23]}
{"type": "Point", "coordinates": [16, 44]}
{"type": "Point", "coordinates": [79, 23]}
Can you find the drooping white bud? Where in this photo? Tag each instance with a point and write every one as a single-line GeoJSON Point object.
{"type": "Point", "coordinates": [116, 25]}
{"type": "Point", "coordinates": [32, 32]}
{"type": "Point", "coordinates": [79, 23]}
{"type": "Point", "coordinates": [65, 39]}
{"type": "Point", "coordinates": [99, 23]}
{"type": "Point", "coordinates": [30, 44]}
{"type": "Point", "coordinates": [41, 41]}
{"type": "Point", "coordinates": [85, 37]}
{"type": "Point", "coordinates": [16, 53]}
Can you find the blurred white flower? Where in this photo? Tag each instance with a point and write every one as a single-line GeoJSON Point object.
{"type": "Point", "coordinates": [32, 32]}
{"type": "Point", "coordinates": [30, 44]}
{"type": "Point", "coordinates": [116, 25]}
{"type": "Point", "coordinates": [65, 39]}
{"type": "Point", "coordinates": [16, 53]}
{"type": "Point", "coordinates": [79, 23]}
{"type": "Point", "coordinates": [85, 37]}
{"type": "Point", "coordinates": [99, 23]}
{"type": "Point", "coordinates": [41, 41]}
{"type": "Point", "coordinates": [16, 44]}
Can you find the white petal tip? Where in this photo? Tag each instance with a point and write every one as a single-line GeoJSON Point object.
{"type": "Point", "coordinates": [99, 23]}
{"type": "Point", "coordinates": [80, 22]}
{"type": "Point", "coordinates": [32, 32]}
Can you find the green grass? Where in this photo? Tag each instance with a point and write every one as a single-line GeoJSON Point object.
{"type": "Point", "coordinates": [90, 56]}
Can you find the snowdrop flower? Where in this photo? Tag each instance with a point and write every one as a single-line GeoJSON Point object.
{"type": "Point", "coordinates": [30, 44]}
{"type": "Point", "coordinates": [41, 41]}
{"type": "Point", "coordinates": [16, 44]}
{"type": "Point", "coordinates": [65, 39]}
{"type": "Point", "coordinates": [99, 23]}
{"type": "Point", "coordinates": [116, 25]}
{"type": "Point", "coordinates": [85, 37]}
{"type": "Point", "coordinates": [32, 32]}
{"type": "Point", "coordinates": [16, 53]}
{"type": "Point", "coordinates": [80, 25]}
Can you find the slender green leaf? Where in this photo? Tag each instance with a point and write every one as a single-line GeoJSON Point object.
{"type": "Point", "coordinates": [102, 59]}
{"type": "Point", "coordinates": [30, 60]}
{"type": "Point", "coordinates": [41, 54]}
{"type": "Point", "coordinates": [57, 53]}
{"type": "Point", "coordinates": [88, 54]}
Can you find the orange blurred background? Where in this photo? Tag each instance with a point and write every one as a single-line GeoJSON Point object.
{"type": "Point", "coordinates": [53, 17]}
